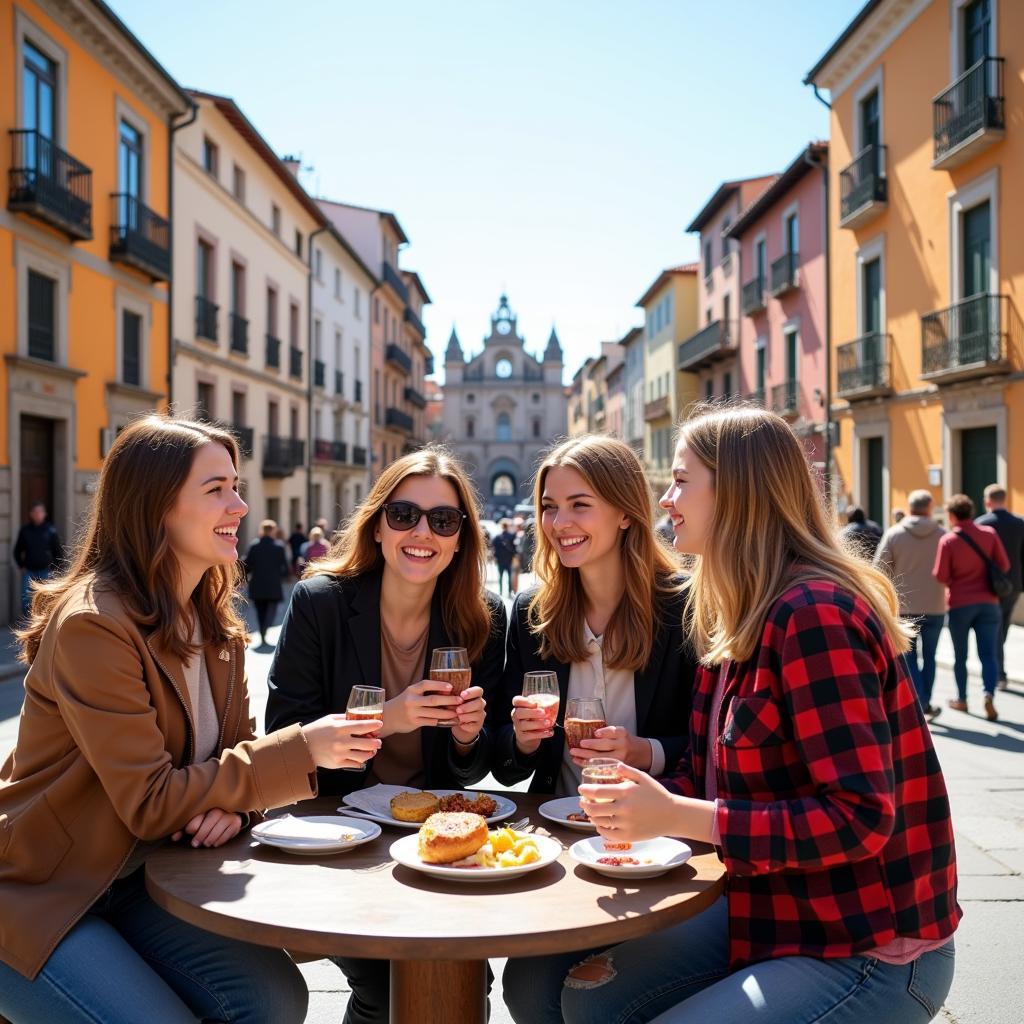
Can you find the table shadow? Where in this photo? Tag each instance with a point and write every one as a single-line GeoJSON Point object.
{"type": "Point", "coordinates": [542, 878]}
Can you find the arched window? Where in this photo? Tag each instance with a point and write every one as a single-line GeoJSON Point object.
{"type": "Point", "coordinates": [504, 486]}
{"type": "Point", "coordinates": [503, 427]}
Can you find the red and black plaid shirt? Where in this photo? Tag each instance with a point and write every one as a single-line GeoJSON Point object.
{"type": "Point", "coordinates": [834, 819]}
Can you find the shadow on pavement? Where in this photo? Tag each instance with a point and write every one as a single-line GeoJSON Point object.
{"type": "Point", "coordinates": [980, 739]}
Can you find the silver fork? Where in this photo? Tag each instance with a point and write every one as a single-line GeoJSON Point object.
{"type": "Point", "coordinates": [517, 825]}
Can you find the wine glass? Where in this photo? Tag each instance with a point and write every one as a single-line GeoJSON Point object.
{"type": "Point", "coordinates": [451, 665]}
{"type": "Point", "coordinates": [542, 690]}
{"type": "Point", "coordinates": [365, 703]}
{"type": "Point", "coordinates": [583, 717]}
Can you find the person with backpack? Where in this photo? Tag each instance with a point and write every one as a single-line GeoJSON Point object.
{"type": "Point", "coordinates": [971, 561]}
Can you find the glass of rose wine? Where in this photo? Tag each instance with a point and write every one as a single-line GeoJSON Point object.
{"type": "Point", "coordinates": [542, 690]}
{"type": "Point", "coordinates": [583, 717]}
{"type": "Point", "coordinates": [601, 771]}
{"type": "Point", "coordinates": [451, 665]}
{"type": "Point", "coordinates": [365, 703]}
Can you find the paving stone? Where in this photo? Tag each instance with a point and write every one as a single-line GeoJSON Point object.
{"type": "Point", "coordinates": [987, 888]}
{"type": "Point", "coordinates": [970, 860]}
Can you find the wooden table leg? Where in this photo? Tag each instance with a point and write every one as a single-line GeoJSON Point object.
{"type": "Point", "coordinates": [438, 991]}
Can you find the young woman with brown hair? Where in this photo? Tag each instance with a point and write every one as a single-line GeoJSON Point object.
{"type": "Point", "coordinates": [404, 577]}
{"type": "Point", "coordinates": [136, 730]}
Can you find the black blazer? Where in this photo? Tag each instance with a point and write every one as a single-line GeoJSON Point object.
{"type": "Point", "coordinates": [266, 564]}
{"type": "Point", "coordinates": [330, 642]}
{"type": "Point", "coordinates": [1011, 532]}
{"type": "Point", "coordinates": [663, 688]}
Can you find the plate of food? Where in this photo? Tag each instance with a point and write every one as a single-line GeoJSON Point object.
{"type": "Point", "coordinates": [315, 835]}
{"type": "Point", "coordinates": [567, 811]}
{"type": "Point", "coordinates": [647, 858]}
{"type": "Point", "coordinates": [409, 808]}
{"type": "Point", "coordinates": [456, 845]}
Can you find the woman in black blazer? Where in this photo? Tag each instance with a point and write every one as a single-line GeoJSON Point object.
{"type": "Point", "coordinates": [606, 618]}
{"type": "Point", "coordinates": [404, 577]}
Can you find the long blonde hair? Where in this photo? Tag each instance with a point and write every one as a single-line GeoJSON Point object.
{"type": "Point", "coordinates": [769, 530]}
{"type": "Point", "coordinates": [354, 551]}
{"type": "Point", "coordinates": [556, 612]}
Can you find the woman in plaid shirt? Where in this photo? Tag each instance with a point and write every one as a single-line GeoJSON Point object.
{"type": "Point", "coordinates": [810, 768]}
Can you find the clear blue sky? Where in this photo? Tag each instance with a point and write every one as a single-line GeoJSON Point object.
{"type": "Point", "coordinates": [555, 149]}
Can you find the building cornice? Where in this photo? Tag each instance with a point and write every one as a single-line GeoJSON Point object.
{"type": "Point", "coordinates": [238, 366]}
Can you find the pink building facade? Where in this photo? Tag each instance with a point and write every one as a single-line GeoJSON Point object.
{"type": "Point", "coordinates": [782, 303]}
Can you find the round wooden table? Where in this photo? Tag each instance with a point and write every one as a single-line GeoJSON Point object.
{"type": "Point", "coordinates": [437, 934]}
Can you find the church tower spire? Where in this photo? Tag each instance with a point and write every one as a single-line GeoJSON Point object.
{"type": "Point", "coordinates": [453, 353]}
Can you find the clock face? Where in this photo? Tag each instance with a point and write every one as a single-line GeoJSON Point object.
{"type": "Point", "coordinates": [504, 368]}
{"type": "Point", "coordinates": [503, 327]}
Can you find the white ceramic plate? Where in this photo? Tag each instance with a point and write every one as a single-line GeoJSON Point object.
{"type": "Point", "coordinates": [406, 852]}
{"type": "Point", "coordinates": [503, 812]}
{"type": "Point", "coordinates": [559, 811]}
{"type": "Point", "coordinates": [315, 835]}
{"type": "Point", "coordinates": [656, 856]}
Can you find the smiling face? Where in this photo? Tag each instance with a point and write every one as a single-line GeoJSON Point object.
{"type": "Point", "coordinates": [419, 555]}
{"type": "Point", "coordinates": [202, 525]}
{"type": "Point", "coordinates": [580, 525]}
{"type": "Point", "coordinates": [690, 501]}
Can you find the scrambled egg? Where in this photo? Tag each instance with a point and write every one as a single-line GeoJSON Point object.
{"type": "Point", "coordinates": [507, 849]}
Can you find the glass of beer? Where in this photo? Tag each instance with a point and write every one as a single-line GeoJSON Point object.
{"type": "Point", "coordinates": [542, 690]}
{"type": "Point", "coordinates": [451, 665]}
{"type": "Point", "coordinates": [365, 703]}
{"type": "Point", "coordinates": [601, 771]}
{"type": "Point", "coordinates": [583, 717]}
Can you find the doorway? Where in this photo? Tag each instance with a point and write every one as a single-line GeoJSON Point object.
{"type": "Point", "coordinates": [37, 464]}
{"type": "Point", "coordinates": [978, 469]}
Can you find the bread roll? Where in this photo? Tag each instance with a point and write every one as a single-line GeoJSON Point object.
{"type": "Point", "coordinates": [413, 806]}
{"type": "Point", "coordinates": [449, 836]}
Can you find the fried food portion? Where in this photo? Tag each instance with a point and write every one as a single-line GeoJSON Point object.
{"type": "Point", "coordinates": [482, 804]}
{"type": "Point", "coordinates": [577, 816]}
{"type": "Point", "coordinates": [415, 807]}
{"type": "Point", "coordinates": [507, 849]}
{"type": "Point", "coordinates": [446, 837]}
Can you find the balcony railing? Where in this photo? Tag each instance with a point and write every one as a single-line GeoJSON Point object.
{"type": "Point", "coordinates": [282, 455]}
{"type": "Point", "coordinates": [414, 397]}
{"type": "Point", "coordinates": [358, 396]}
{"type": "Point", "coordinates": [339, 382]}
{"type": "Point", "coordinates": [657, 407]}
{"type": "Point", "coordinates": [206, 318]}
{"type": "Point", "coordinates": [716, 341]}
{"type": "Point", "coordinates": [970, 115]}
{"type": "Point", "coordinates": [966, 340]}
{"type": "Point", "coordinates": [273, 352]}
{"type": "Point", "coordinates": [756, 397]}
{"type": "Point", "coordinates": [295, 362]}
{"type": "Point", "coordinates": [862, 367]}
{"type": "Point", "coordinates": [398, 419]}
{"type": "Point", "coordinates": [863, 187]}
{"type": "Point", "coordinates": [330, 451]}
{"type": "Point", "coordinates": [417, 323]}
{"type": "Point", "coordinates": [393, 278]}
{"type": "Point", "coordinates": [784, 398]}
{"type": "Point", "coordinates": [398, 358]}
{"type": "Point", "coordinates": [319, 373]}
{"type": "Point", "coordinates": [49, 184]}
{"type": "Point", "coordinates": [239, 334]}
{"type": "Point", "coordinates": [784, 273]}
{"type": "Point", "coordinates": [244, 437]}
{"type": "Point", "coordinates": [752, 297]}
{"type": "Point", "coordinates": [358, 455]}
{"type": "Point", "coordinates": [139, 237]}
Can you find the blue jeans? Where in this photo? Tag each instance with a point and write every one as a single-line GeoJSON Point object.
{"type": "Point", "coordinates": [985, 620]}
{"type": "Point", "coordinates": [27, 576]}
{"type": "Point", "coordinates": [504, 576]}
{"type": "Point", "coordinates": [127, 960]}
{"type": "Point", "coordinates": [682, 975]}
{"type": "Point", "coordinates": [929, 630]}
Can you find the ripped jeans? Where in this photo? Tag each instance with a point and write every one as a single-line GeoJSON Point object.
{"type": "Point", "coordinates": [681, 975]}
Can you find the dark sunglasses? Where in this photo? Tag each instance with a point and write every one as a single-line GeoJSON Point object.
{"type": "Point", "coordinates": [444, 520]}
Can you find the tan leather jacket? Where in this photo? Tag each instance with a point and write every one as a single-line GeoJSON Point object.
{"type": "Point", "coordinates": [104, 759]}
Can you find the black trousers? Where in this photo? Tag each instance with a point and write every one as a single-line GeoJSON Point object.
{"type": "Point", "coordinates": [265, 614]}
{"type": "Point", "coordinates": [1007, 604]}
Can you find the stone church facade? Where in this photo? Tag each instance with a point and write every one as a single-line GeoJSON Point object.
{"type": "Point", "coordinates": [502, 408]}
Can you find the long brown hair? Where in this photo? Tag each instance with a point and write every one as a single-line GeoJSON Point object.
{"type": "Point", "coordinates": [124, 544]}
{"type": "Point", "coordinates": [354, 551]}
{"type": "Point", "coordinates": [556, 612]}
{"type": "Point", "coordinates": [770, 529]}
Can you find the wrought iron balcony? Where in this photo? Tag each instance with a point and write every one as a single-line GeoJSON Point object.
{"type": "Point", "coordinates": [273, 352]}
{"type": "Point", "coordinates": [295, 362]}
{"type": "Point", "coordinates": [239, 334]}
{"type": "Point", "coordinates": [784, 273]}
{"type": "Point", "coordinates": [785, 397]}
{"type": "Point", "coordinates": [49, 184]}
{"type": "Point", "coordinates": [206, 318]}
{"type": "Point", "coordinates": [282, 455]}
{"type": "Point", "coordinates": [970, 115]}
{"type": "Point", "coordinates": [339, 382]}
{"type": "Point", "coordinates": [863, 188]}
{"type": "Point", "coordinates": [719, 340]}
{"type": "Point", "coordinates": [398, 419]}
{"type": "Point", "coordinates": [657, 408]}
{"type": "Point", "coordinates": [414, 397]}
{"type": "Point", "coordinates": [862, 367]}
{"type": "Point", "coordinates": [968, 339]}
{"type": "Point", "coordinates": [330, 451]}
{"type": "Point", "coordinates": [245, 438]}
{"type": "Point", "coordinates": [417, 323]}
{"type": "Point", "coordinates": [139, 237]}
{"type": "Point", "coordinates": [752, 297]}
{"type": "Point", "coordinates": [398, 358]}
{"type": "Point", "coordinates": [394, 279]}
{"type": "Point", "coordinates": [358, 455]}
{"type": "Point", "coordinates": [319, 373]}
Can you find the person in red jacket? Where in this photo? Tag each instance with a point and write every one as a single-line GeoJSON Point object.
{"type": "Point", "coordinates": [972, 602]}
{"type": "Point", "coordinates": [810, 767]}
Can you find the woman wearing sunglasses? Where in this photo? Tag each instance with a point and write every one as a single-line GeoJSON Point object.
{"type": "Point", "coordinates": [404, 577]}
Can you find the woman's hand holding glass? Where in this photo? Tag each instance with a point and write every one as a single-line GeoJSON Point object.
{"type": "Point", "coordinates": [337, 742]}
{"type": "Point", "coordinates": [425, 703]}
{"type": "Point", "coordinates": [535, 711]}
{"type": "Point", "coordinates": [614, 741]}
{"type": "Point", "coordinates": [471, 712]}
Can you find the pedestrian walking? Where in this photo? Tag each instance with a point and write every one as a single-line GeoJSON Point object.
{"type": "Point", "coordinates": [861, 535]}
{"type": "Point", "coordinates": [36, 551]}
{"type": "Point", "coordinates": [295, 541]}
{"type": "Point", "coordinates": [504, 547]}
{"type": "Point", "coordinates": [315, 547]}
{"type": "Point", "coordinates": [266, 565]}
{"type": "Point", "coordinates": [907, 553]}
{"type": "Point", "coordinates": [962, 563]}
{"type": "Point", "coordinates": [1010, 528]}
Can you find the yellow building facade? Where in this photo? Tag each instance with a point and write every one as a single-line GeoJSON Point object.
{"type": "Point", "coordinates": [927, 269]}
{"type": "Point", "coordinates": [86, 115]}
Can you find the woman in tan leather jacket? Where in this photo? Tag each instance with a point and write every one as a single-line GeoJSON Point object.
{"type": "Point", "coordinates": [136, 731]}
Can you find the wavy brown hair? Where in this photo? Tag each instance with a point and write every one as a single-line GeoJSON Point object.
{"type": "Point", "coordinates": [770, 529]}
{"type": "Point", "coordinates": [124, 544]}
{"type": "Point", "coordinates": [556, 612]}
{"type": "Point", "coordinates": [354, 552]}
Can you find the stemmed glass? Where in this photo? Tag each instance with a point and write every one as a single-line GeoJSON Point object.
{"type": "Point", "coordinates": [541, 688]}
